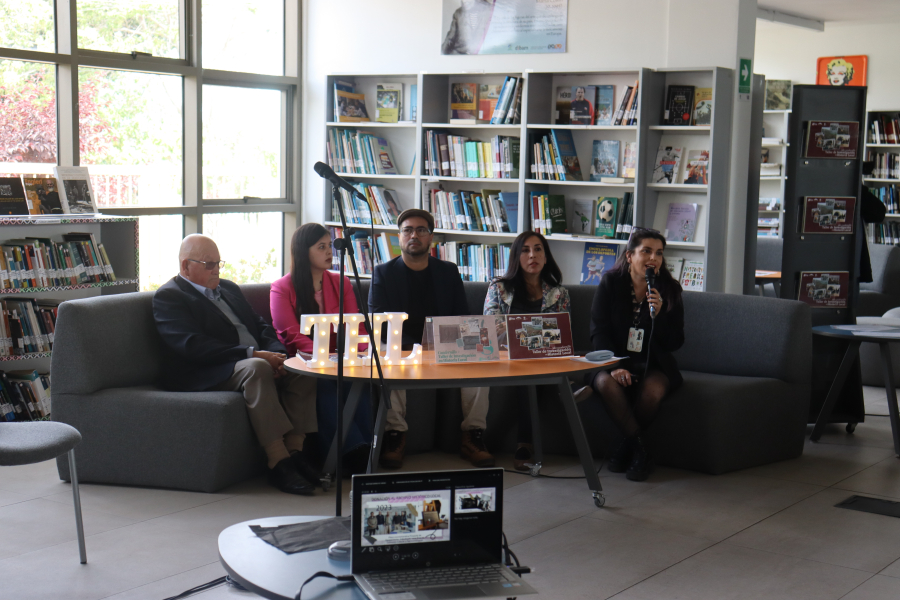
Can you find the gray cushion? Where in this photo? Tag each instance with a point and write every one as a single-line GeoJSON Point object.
{"type": "Point", "coordinates": [768, 253]}
{"type": "Point", "coordinates": [28, 443]}
{"type": "Point", "coordinates": [885, 270]}
{"type": "Point", "coordinates": [870, 361]}
{"type": "Point", "coordinates": [894, 313]}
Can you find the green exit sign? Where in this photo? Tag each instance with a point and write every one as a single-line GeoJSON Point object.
{"type": "Point", "coordinates": [745, 74]}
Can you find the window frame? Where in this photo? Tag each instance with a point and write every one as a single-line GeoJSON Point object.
{"type": "Point", "coordinates": [68, 58]}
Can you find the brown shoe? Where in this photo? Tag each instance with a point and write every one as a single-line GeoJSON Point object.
{"type": "Point", "coordinates": [474, 450]}
{"type": "Point", "coordinates": [393, 449]}
{"type": "Point", "coordinates": [524, 455]}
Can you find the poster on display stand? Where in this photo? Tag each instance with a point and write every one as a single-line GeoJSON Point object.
{"type": "Point", "coordinates": [547, 335]}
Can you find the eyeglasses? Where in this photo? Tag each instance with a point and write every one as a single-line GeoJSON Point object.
{"type": "Point", "coordinates": [419, 231]}
{"type": "Point", "coordinates": [209, 265]}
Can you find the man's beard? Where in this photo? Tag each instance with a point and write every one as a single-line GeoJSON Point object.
{"type": "Point", "coordinates": [422, 249]}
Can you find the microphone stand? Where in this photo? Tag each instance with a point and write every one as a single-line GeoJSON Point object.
{"type": "Point", "coordinates": [345, 247]}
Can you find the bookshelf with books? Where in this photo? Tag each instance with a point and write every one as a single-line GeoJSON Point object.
{"type": "Point", "coordinates": [882, 149]}
{"type": "Point", "coordinates": [773, 172]}
{"type": "Point", "coordinates": [684, 166]}
{"type": "Point", "coordinates": [494, 160]}
{"type": "Point", "coordinates": [45, 261]}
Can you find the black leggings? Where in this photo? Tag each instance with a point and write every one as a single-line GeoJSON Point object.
{"type": "Point", "coordinates": [632, 408]}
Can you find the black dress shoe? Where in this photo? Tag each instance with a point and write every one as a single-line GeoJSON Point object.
{"type": "Point", "coordinates": [307, 471]}
{"type": "Point", "coordinates": [641, 463]}
{"type": "Point", "coordinates": [621, 458]}
{"type": "Point", "coordinates": [285, 477]}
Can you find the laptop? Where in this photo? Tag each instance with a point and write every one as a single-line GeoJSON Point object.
{"type": "Point", "coordinates": [433, 535]}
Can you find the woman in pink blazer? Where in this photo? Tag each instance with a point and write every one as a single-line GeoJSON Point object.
{"type": "Point", "coordinates": [311, 288]}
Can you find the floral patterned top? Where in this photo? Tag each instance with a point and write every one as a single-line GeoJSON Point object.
{"type": "Point", "coordinates": [499, 300]}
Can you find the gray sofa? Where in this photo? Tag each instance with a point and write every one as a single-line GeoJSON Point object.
{"type": "Point", "coordinates": [883, 292]}
{"type": "Point", "coordinates": [870, 354]}
{"type": "Point", "coordinates": [746, 366]}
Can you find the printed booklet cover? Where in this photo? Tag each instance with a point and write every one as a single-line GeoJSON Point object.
{"type": "Point", "coordinates": [547, 335]}
{"type": "Point", "coordinates": [465, 339]}
{"type": "Point", "coordinates": [605, 159]}
{"type": "Point", "coordinates": [830, 139]}
{"type": "Point", "coordinates": [599, 257]}
{"type": "Point", "coordinates": [824, 290]}
{"type": "Point", "coordinates": [681, 222]}
{"type": "Point", "coordinates": [828, 215]}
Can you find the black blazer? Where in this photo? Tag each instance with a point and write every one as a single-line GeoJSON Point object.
{"type": "Point", "coordinates": [389, 291]}
{"type": "Point", "coordinates": [201, 342]}
{"type": "Point", "coordinates": [612, 317]}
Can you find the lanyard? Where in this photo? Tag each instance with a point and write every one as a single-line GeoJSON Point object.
{"type": "Point", "coordinates": [636, 307]}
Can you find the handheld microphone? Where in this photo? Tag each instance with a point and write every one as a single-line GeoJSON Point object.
{"type": "Point", "coordinates": [325, 172]}
{"type": "Point", "coordinates": [650, 276]}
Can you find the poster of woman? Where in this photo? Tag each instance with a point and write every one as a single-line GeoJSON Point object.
{"type": "Point", "coordinates": [842, 70]}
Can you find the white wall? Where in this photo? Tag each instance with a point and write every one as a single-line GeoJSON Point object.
{"type": "Point", "coordinates": [784, 52]}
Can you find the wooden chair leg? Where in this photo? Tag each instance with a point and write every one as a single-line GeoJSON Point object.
{"type": "Point", "coordinates": [79, 525]}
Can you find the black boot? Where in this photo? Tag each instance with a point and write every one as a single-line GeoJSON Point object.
{"type": "Point", "coordinates": [641, 464]}
{"type": "Point", "coordinates": [620, 459]}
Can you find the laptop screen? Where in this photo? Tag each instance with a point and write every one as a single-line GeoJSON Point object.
{"type": "Point", "coordinates": [425, 519]}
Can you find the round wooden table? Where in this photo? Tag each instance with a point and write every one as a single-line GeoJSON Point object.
{"type": "Point", "coordinates": [429, 375]}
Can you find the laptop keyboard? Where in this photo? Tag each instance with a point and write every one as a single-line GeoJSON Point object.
{"type": "Point", "coordinates": [421, 578]}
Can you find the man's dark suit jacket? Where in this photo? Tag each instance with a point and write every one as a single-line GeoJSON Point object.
{"type": "Point", "coordinates": [202, 343]}
{"type": "Point", "coordinates": [389, 291]}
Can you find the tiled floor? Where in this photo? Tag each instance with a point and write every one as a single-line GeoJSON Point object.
{"type": "Point", "coordinates": [769, 532]}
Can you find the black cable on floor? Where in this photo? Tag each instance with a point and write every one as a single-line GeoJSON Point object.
{"type": "Point", "coordinates": [200, 588]}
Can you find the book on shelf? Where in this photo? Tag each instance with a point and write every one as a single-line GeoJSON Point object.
{"type": "Point", "coordinates": [76, 191]}
{"type": "Point", "coordinates": [884, 128]}
{"type": "Point", "coordinates": [831, 139]}
{"type": "Point", "coordinates": [883, 233]}
{"type": "Point", "coordinates": [681, 222]}
{"type": "Point", "coordinates": [668, 158]}
{"type": "Point", "coordinates": [703, 106]}
{"type": "Point", "coordinates": [389, 244]}
{"type": "Point", "coordinates": [351, 107]}
{"type": "Point", "coordinates": [625, 217]}
{"type": "Point", "coordinates": [629, 160]}
{"type": "Point", "coordinates": [605, 217]}
{"type": "Point", "coordinates": [778, 94]}
{"type": "Point", "coordinates": [458, 156]}
{"type": "Point", "coordinates": [581, 111]}
{"type": "Point", "coordinates": [692, 276]}
{"type": "Point", "coordinates": [382, 206]}
{"type": "Point", "coordinates": [413, 102]}
{"type": "Point", "coordinates": [773, 204]}
{"type": "Point", "coordinates": [12, 197]}
{"type": "Point", "coordinates": [43, 194]}
{"type": "Point", "coordinates": [824, 290]}
{"type": "Point", "coordinates": [633, 105]}
{"type": "Point", "coordinates": [464, 104]}
{"type": "Point", "coordinates": [768, 222]}
{"type": "Point", "coordinates": [42, 262]}
{"type": "Point", "coordinates": [887, 164]}
{"type": "Point", "coordinates": [18, 401]}
{"type": "Point", "coordinates": [617, 180]}
{"type": "Point", "coordinates": [581, 217]}
{"type": "Point", "coordinates": [770, 170]}
{"type": "Point", "coordinates": [828, 215]}
{"type": "Point", "coordinates": [679, 105]}
{"type": "Point", "coordinates": [548, 213]}
{"type": "Point", "coordinates": [605, 110]}
{"type": "Point", "coordinates": [889, 196]}
{"type": "Point", "coordinates": [605, 159]}
{"type": "Point", "coordinates": [506, 101]}
{"type": "Point", "coordinates": [764, 156]}
{"type": "Point", "coordinates": [624, 105]}
{"type": "Point", "coordinates": [27, 326]}
{"type": "Point", "coordinates": [563, 105]}
{"type": "Point", "coordinates": [564, 149]}
{"type": "Point", "coordinates": [674, 264]}
{"type": "Point", "coordinates": [696, 170]}
{"type": "Point", "coordinates": [32, 382]}
{"type": "Point", "coordinates": [468, 210]}
{"type": "Point", "coordinates": [488, 96]}
{"type": "Point", "coordinates": [359, 152]}
{"type": "Point", "coordinates": [476, 262]}
{"type": "Point", "coordinates": [514, 113]}
{"type": "Point", "coordinates": [597, 258]}
{"type": "Point", "coordinates": [388, 102]}
{"type": "Point", "coordinates": [341, 86]}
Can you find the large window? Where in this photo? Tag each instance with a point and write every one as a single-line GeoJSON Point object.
{"type": "Point", "coordinates": [191, 133]}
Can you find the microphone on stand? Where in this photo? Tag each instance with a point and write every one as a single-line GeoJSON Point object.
{"type": "Point", "coordinates": [325, 172]}
{"type": "Point", "coordinates": [650, 276]}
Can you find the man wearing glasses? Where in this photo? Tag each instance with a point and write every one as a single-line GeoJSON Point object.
{"type": "Point", "coordinates": [216, 342]}
{"type": "Point", "coordinates": [423, 286]}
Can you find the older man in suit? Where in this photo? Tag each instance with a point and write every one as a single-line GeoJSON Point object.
{"type": "Point", "coordinates": [423, 286]}
{"type": "Point", "coordinates": [216, 342]}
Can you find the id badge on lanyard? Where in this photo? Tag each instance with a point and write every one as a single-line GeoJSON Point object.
{"type": "Point", "coordinates": [635, 339]}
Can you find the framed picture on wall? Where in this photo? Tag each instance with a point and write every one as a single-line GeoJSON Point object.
{"type": "Point", "coordinates": [842, 70]}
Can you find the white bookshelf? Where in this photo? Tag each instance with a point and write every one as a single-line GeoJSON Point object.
{"type": "Point", "coordinates": [538, 116]}
{"type": "Point", "coordinates": [882, 147]}
{"type": "Point", "coordinates": [775, 126]}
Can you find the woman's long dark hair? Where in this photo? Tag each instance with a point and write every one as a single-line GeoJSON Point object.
{"type": "Point", "coordinates": [304, 238]}
{"type": "Point", "coordinates": [671, 289]}
{"type": "Point", "coordinates": [513, 278]}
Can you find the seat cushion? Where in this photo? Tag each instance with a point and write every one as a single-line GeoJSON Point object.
{"type": "Point", "coordinates": [28, 443]}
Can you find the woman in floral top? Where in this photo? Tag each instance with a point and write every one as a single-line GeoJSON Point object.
{"type": "Point", "coordinates": [531, 285]}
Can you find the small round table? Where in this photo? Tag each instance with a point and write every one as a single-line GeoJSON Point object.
{"type": "Point", "coordinates": [267, 571]}
{"type": "Point", "coordinates": [853, 342]}
{"type": "Point", "coordinates": [429, 375]}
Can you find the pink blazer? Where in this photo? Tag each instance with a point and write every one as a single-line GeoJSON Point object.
{"type": "Point", "coordinates": [283, 303]}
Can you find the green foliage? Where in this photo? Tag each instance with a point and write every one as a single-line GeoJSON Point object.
{"type": "Point", "coordinates": [249, 271]}
{"type": "Point", "coordinates": [126, 25]}
{"type": "Point", "coordinates": [33, 25]}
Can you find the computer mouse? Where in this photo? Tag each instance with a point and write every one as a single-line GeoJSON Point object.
{"type": "Point", "coordinates": [339, 550]}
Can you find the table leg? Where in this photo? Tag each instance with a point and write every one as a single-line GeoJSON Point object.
{"type": "Point", "coordinates": [760, 287]}
{"type": "Point", "coordinates": [538, 457]}
{"type": "Point", "coordinates": [380, 419]}
{"type": "Point", "coordinates": [777, 285]}
{"type": "Point", "coordinates": [891, 391]}
{"type": "Point", "coordinates": [581, 443]}
{"type": "Point", "coordinates": [349, 413]}
{"type": "Point", "coordinates": [835, 390]}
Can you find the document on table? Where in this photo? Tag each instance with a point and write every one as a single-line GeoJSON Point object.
{"type": "Point", "coordinates": [893, 334]}
{"type": "Point", "coordinates": [598, 364]}
{"type": "Point", "coordinates": [865, 327]}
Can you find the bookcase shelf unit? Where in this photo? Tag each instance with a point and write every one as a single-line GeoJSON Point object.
{"type": "Point", "coordinates": [775, 126]}
{"type": "Point", "coordinates": [882, 184]}
{"type": "Point", "coordinates": [538, 117]}
{"type": "Point", "coordinates": [119, 236]}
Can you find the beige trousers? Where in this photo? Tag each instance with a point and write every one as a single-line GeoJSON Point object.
{"type": "Point", "coordinates": [278, 408]}
{"type": "Point", "coordinates": [474, 402]}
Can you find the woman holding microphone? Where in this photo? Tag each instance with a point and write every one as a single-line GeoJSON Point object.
{"type": "Point", "coordinates": [622, 321]}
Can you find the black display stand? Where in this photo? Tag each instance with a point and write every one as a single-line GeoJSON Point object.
{"type": "Point", "coordinates": [825, 252]}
